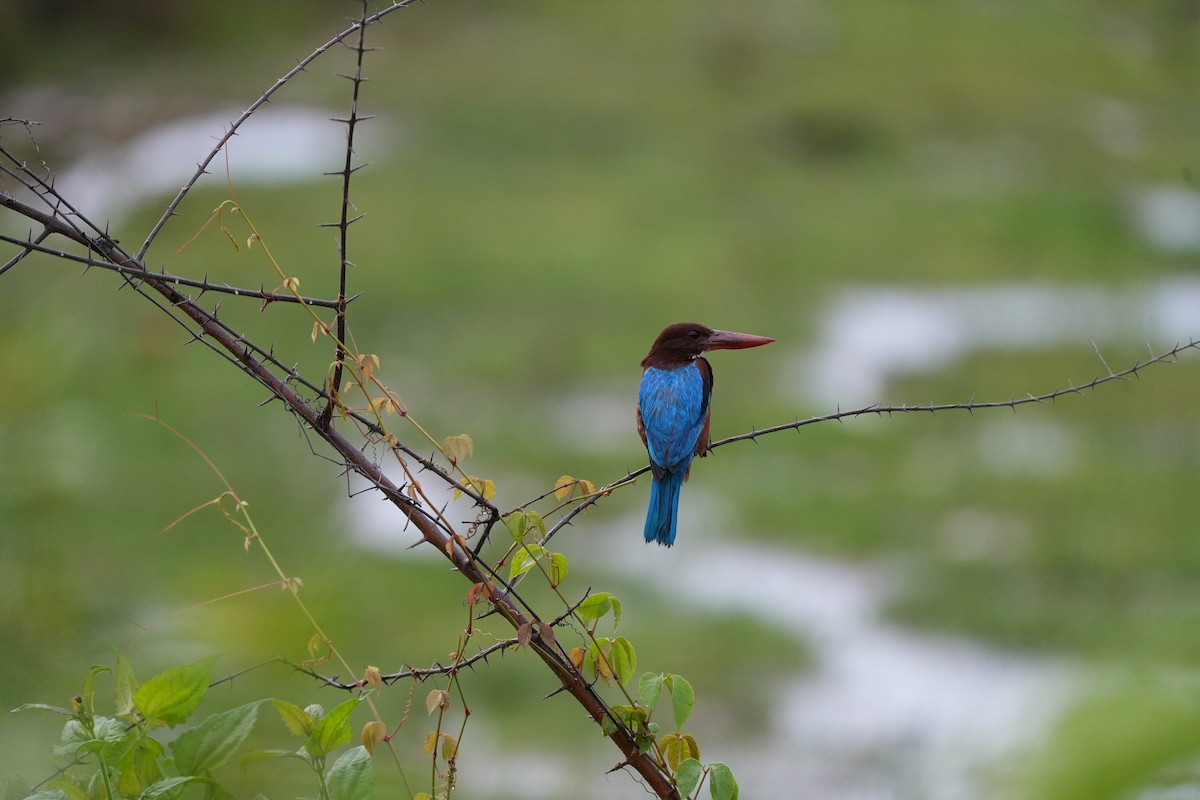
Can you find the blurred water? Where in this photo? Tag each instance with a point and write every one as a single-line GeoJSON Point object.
{"type": "Point", "coordinates": [279, 144]}
{"type": "Point", "coordinates": [887, 713]}
{"type": "Point", "coordinates": [873, 334]}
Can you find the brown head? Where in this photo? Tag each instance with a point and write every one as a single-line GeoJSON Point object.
{"type": "Point", "coordinates": [683, 342]}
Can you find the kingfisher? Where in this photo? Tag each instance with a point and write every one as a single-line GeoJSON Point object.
{"type": "Point", "coordinates": [673, 412]}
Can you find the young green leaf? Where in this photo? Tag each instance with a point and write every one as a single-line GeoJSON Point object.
{"type": "Point", "coordinates": [138, 766]}
{"type": "Point", "coordinates": [210, 744]}
{"type": "Point", "coordinates": [683, 699]}
{"type": "Point", "coordinates": [352, 776]}
{"type": "Point", "coordinates": [517, 523]}
{"type": "Point", "coordinates": [297, 720]}
{"type": "Point", "coordinates": [598, 657]}
{"type": "Point", "coordinates": [650, 688]}
{"type": "Point", "coordinates": [126, 687]}
{"type": "Point", "coordinates": [458, 447]}
{"type": "Point", "coordinates": [687, 776]}
{"type": "Point", "coordinates": [373, 733]}
{"type": "Point", "coordinates": [484, 487]}
{"type": "Point", "coordinates": [332, 730]}
{"type": "Point", "coordinates": [624, 659]}
{"type": "Point", "coordinates": [523, 559]}
{"type": "Point", "coordinates": [44, 707]}
{"type": "Point", "coordinates": [595, 606]}
{"type": "Point", "coordinates": [676, 749]}
{"type": "Point", "coordinates": [721, 784]}
{"type": "Point", "coordinates": [87, 698]}
{"type": "Point", "coordinates": [558, 568]}
{"type": "Point", "coordinates": [437, 698]}
{"type": "Point", "coordinates": [172, 695]}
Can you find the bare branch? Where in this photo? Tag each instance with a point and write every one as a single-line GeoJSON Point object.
{"type": "Point", "coordinates": [35, 246]}
{"type": "Point", "coordinates": [301, 65]}
{"type": "Point", "coordinates": [1169, 357]}
{"type": "Point", "coordinates": [351, 123]}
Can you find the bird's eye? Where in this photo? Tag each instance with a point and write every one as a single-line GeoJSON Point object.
{"type": "Point", "coordinates": [693, 334]}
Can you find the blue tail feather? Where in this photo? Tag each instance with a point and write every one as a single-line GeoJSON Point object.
{"type": "Point", "coordinates": [664, 507]}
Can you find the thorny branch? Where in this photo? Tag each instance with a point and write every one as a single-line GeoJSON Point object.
{"type": "Point", "coordinates": [1169, 357]}
{"type": "Point", "coordinates": [418, 673]}
{"type": "Point", "coordinates": [60, 218]}
{"type": "Point", "coordinates": [345, 221]}
{"type": "Point", "coordinates": [204, 285]}
{"type": "Point", "coordinates": [971, 406]}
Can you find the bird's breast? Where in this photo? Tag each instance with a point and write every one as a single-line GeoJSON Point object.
{"type": "Point", "coordinates": [672, 403]}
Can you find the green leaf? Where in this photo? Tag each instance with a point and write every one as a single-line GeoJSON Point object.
{"type": "Point", "coordinates": [523, 559]}
{"type": "Point", "coordinates": [624, 659]}
{"type": "Point", "coordinates": [167, 786]}
{"type": "Point", "coordinates": [213, 742]}
{"type": "Point", "coordinates": [73, 736]}
{"type": "Point", "coordinates": [44, 707]}
{"type": "Point", "coordinates": [650, 688]}
{"type": "Point", "coordinates": [679, 747]}
{"type": "Point", "coordinates": [332, 730]}
{"type": "Point", "coordinates": [721, 784]}
{"type": "Point", "coordinates": [107, 734]}
{"type": "Point", "coordinates": [595, 606]}
{"type": "Point", "coordinates": [171, 696]}
{"type": "Point", "coordinates": [687, 776]}
{"type": "Point", "coordinates": [516, 524]}
{"type": "Point", "coordinates": [352, 777]}
{"type": "Point", "coordinates": [558, 568]}
{"type": "Point", "coordinates": [607, 726]}
{"type": "Point", "coordinates": [139, 767]}
{"type": "Point", "coordinates": [683, 699]}
{"type": "Point", "coordinates": [297, 720]}
{"type": "Point", "coordinates": [49, 794]}
{"type": "Point", "coordinates": [632, 716]}
{"type": "Point", "coordinates": [591, 658]}
{"type": "Point", "coordinates": [126, 687]}
{"type": "Point", "coordinates": [87, 698]}
{"type": "Point", "coordinates": [520, 523]}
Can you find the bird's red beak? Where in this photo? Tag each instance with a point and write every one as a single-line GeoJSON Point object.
{"type": "Point", "coordinates": [728, 340]}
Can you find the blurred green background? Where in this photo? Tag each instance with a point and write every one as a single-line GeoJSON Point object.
{"type": "Point", "coordinates": [549, 185]}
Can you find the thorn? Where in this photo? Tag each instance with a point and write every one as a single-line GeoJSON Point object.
{"type": "Point", "coordinates": [559, 690]}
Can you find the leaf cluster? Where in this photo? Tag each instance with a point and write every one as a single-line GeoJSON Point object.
{"type": "Point", "coordinates": [118, 756]}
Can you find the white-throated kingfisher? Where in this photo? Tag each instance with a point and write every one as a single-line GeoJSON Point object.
{"type": "Point", "coordinates": [673, 412]}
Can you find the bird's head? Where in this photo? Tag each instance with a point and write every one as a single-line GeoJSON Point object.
{"type": "Point", "coordinates": [685, 341]}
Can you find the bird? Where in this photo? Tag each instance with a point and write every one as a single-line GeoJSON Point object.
{"type": "Point", "coordinates": [673, 412]}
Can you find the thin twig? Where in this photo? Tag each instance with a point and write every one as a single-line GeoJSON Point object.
{"type": "Point", "coordinates": [202, 167]}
